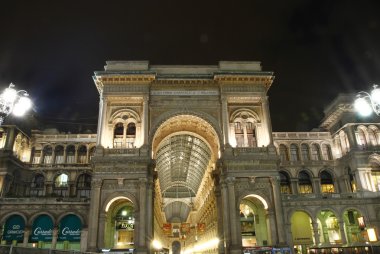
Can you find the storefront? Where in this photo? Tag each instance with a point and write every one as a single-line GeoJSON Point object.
{"type": "Point", "coordinates": [13, 230]}
{"type": "Point", "coordinates": [69, 233]}
{"type": "Point", "coordinates": [42, 232]}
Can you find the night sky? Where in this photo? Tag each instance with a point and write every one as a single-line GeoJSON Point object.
{"type": "Point", "coordinates": [316, 49]}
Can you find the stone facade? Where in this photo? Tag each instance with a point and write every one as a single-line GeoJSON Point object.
{"type": "Point", "coordinates": [185, 157]}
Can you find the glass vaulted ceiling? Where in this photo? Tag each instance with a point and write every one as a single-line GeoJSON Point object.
{"type": "Point", "coordinates": [181, 163]}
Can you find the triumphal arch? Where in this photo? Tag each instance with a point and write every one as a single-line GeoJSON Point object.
{"type": "Point", "coordinates": [185, 159]}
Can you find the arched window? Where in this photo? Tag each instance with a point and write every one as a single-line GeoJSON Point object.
{"type": "Point", "coordinates": [294, 152]}
{"type": "Point", "coordinates": [372, 137]}
{"type": "Point", "coordinates": [84, 185]}
{"type": "Point", "coordinates": [304, 183]}
{"type": "Point", "coordinates": [327, 183]}
{"type": "Point", "coordinates": [285, 183]}
{"type": "Point", "coordinates": [131, 135]}
{"type": "Point", "coordinates": [61, 180]}
{"type": "Point", "coordinates": [315, 152]}
{"type": "Point", "coordinates": [36, 155]}
{"type": "Point", "coordinates": [284, 153]}
{"type": "Point", "coordinates": [70, 154]}
{"type": "Point", "coordinates": [305, 152]}
{"type": "Point", "coordinates": [251, 135]}
{"type": "Point", "coordinates": [48, 153]}
{"type": "Point", "coordinates": [39, 181]}
{"type": "Point", "coordinates": [326, 152]}
{"type": "Point", "coordinates": [38, 184]}
{"type": "Point", "coordinates": [118, 134]}
{"type": "Point", "coordinates": [60, 185]}
{"type": "Point", "coordinates": [82, 154]}
{"type": "Point", "coordinates": [58, 151]}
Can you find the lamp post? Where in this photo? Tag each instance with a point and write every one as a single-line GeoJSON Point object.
{"type": "Point", "coordinates": [13, 101]}
{"type": "Point", "coordinates": [366, 103]}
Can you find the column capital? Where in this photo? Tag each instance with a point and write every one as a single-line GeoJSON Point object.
{"type": "Point", "coordinates": [96, 183]}
{"type": "Point", "coordinates": [230, 180]}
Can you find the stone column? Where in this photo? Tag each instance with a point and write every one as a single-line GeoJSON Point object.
{"type": "Point", "coordinates": [49, 188]}
{"type": "Point", "coordinates": [145, 119]}
{"type": "Point", "coordinates": [267, 122]}
{"type": "Point", "coordinates": [289, 234]}
{"type": "Point", "coordinates": [83, 239]}
{"type": "Point", "coordinates": [142, 246]}
{"type": "Point", "coordinates": [149, 211]}
{"type": "Point", "coordinates": [76, 154]}
{"type": "Point", "coordinates": [53, 155]}
{"type": "Point", "coordinates": [342, 233]}
{"type": "Point", "coordinates": [26, 236]}
{"type": "Point", "coordinates": [54, 238]}
{"type": "Point", "coordinates": [10, 138]}
{"type": "Point", "coordinates": [317, 185]}
{"type": "Point", "coordinates": [225, 214]}
{"type": "Point", "coordinates": [278, 210]}
{"type": "Point", "coordinates": [271, 226]}
{"type": "Point", "coordinates": [294, 184]}
{"type": "Point", "coordinates": [225, 120]}
{"type": "Point", "coordinates": [64, 154]}
{"type": "Point", "coordinates": [94, 215]}
{"type": "Point", "coordinates": [316, 233]}
{"type": "Point", "coordinates": [102, 113]}
{"type": "Point", "coordinates": [101, 226]}
{"type": "Point", "coordinates": [245, 135]}
{"type": "Point", "coordinates": [220, 215]}
{"type": "Point", "coordinates": [235, 245]}
{"type": "Point", "coordinates": [87, 154]}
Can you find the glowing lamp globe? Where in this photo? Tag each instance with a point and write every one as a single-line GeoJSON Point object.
{"type": "Point", "coordinates": [363, 107]}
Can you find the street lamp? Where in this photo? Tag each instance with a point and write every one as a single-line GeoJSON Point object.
{"type": "Point", "coordinates": [15, 102]}
{"type": "Point", "coordinates": [366, 103]}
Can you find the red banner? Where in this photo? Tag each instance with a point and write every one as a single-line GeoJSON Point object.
{"type": "Point", "coordinates": [201, 227]}
{"type": "Point", "coordinates": [167, 228]}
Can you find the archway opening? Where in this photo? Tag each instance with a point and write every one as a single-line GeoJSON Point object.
{"type": "Point", "coordinates": [253, 222]}
{"type": "Point", "coordinates": [302, 231]}
{"type": "Point", "coordinates": [185, 148]}
{"type": "Point", "coordinates": [120, 224]}
{"type": "Point", "coordinates": [328, 228]}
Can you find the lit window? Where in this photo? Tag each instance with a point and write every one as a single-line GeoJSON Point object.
{"type": "Point", "coordinates": [327, 183]}
{"type": "Point", "coordinates": [304, 183]}
{"type": "Point", "coordinates": [61, 180]}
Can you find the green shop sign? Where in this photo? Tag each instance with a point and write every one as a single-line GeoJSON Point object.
{"type": "Point", "coordinates": [14, 228]}
{"type": "Point", "coordinates": [42, 229]}
{"type": "Point", "coordinates": [69, 229]}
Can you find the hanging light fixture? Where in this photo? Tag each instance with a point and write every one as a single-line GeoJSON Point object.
{"type": "Point", "coordinates": [15, 102]}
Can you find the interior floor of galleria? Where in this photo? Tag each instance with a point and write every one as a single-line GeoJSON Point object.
{"type": "Point", "coordinates": [185, 161]}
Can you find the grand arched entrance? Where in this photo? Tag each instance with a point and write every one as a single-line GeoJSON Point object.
{"type": "Point", "coordinates": [185, 149]}
{"type": "Point", "coordinates": [119, 226]}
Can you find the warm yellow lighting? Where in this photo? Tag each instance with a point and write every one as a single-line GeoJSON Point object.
{"type": "Point", "coordinates": [265, 204]}
{"type": "Point", "coordinates": [156, 244]}
{"type": "Point", "coordinates": [213, 243]}
{"type": "Point", "coordinates": [113, 200]}
{"type": "Point", "coordinates": [124, 213]}
{"type": "Point", "coordinates": [372, 237]}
